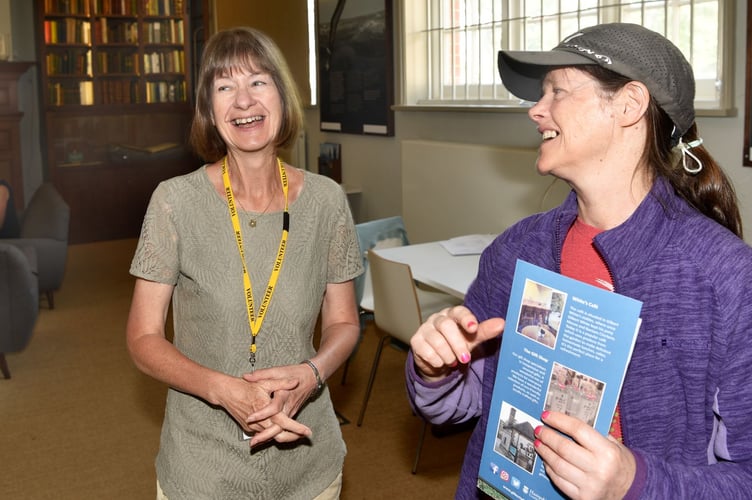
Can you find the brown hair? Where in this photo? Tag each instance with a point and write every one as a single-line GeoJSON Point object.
{"type": "Point", "coordinates": [709, 191]}
{"type": "Point", "coordinates": [250, 49]}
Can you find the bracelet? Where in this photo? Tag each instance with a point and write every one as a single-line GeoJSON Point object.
{"type": "Point", "coordinates": [319, 382]}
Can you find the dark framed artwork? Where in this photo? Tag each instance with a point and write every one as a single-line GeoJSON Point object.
{"type": "Point", "coordinates": [356, 84]}
{"type": "Point", "coordinates": [747, 154]}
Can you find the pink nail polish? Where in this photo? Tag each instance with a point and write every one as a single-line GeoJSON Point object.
{"type": "Point", "coordinates": [465, 357]}
{"type": "Point", "coordinates": [537, 443]}
{"type": "Point", "coordinates": [471, 324]}
{"type": "Point", "coordinates": [545, 415]}
{"type": "Point", "coordinates": [537, 430]}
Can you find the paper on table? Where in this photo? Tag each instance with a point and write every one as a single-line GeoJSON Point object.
{"type": "Point", "coordinates": [470, 244]}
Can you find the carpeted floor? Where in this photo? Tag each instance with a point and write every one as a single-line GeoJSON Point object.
{"type": "Point", "coordinates": [78, 421]}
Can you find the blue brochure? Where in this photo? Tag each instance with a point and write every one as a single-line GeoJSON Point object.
{"type": "Point", "coordinates": [565, 348]}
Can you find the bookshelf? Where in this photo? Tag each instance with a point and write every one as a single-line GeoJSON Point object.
{"type": "Point", "coordinates": [117, 102]}
{"type": "Point", "coordinates": [98, 52]}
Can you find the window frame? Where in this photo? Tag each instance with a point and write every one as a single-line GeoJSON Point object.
{"type": "Point", "coordinates": [407, 90]}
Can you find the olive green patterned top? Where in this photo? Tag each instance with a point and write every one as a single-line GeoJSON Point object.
{"type": "Point", "coordinates": [187, 240]}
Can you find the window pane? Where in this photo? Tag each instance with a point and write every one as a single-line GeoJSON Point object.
{"type": "Point", "coordinates": [452, 56]}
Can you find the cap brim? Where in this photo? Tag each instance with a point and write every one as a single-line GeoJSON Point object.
{"type": "Point", "coordinates": [522, 72]}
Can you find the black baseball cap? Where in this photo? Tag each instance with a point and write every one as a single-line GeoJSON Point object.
{"type": "Point", "coordinates": [630, 50]}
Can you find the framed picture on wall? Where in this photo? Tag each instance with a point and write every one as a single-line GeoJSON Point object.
{"type": "Point", "coordinates": [356, 84]}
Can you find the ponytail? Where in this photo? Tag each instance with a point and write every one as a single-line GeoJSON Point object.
{"type": "Point", "coordinates": [706, 188]}
{"type": "Point", "coordinates": [703, 184]}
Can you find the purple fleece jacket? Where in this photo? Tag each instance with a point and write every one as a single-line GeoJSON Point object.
{"type": "Point", "coordinates": [686, 403]}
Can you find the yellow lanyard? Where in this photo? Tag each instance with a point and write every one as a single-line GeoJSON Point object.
{"type": "Point", "coordinates": [255, 323]}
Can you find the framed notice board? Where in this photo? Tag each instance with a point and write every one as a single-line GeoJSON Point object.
{"type": "Point", "coordinates": [356, 84]}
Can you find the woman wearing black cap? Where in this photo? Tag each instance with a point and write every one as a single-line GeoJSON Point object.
{"type": "Point", "coordinates": [651, 216]}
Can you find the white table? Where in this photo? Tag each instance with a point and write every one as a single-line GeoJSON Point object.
{"type": "Point", "coordinates": [434, 266]}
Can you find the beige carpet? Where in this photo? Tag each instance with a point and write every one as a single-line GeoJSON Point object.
{"type": "Point", "coordinates": [78, 421]}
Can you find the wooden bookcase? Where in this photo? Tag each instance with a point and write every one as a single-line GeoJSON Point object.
{"type": "Point", "coordinates": [116, 93]}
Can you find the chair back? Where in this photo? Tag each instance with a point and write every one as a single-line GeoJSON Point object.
{"type": "Point", "coordinates": [379, 233]}
{"type": "Point", "coordinates": [19, 299]}
{"type": "Point", "coordinates": [47, 215]}
{"type": "Point", "coordinates": [396, 307]}
{"type": "Point", "coordinates": [10, 227]}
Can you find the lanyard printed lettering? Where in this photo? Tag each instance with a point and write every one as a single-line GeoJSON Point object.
{"type": "Point", "coordinates": [255, 322]}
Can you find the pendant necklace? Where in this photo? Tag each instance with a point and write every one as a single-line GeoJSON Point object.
{"type": "Point", "coordinates": [253, 220]}
{"type": "Point", "coordinates": [255, 321]}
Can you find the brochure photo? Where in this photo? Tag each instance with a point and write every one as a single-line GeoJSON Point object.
{"type": "Point", "coordinates": [566, 348]}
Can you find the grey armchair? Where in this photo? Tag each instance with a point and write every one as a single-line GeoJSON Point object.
{"type": "Point", "coordinates": [19, 300]}
{"type": "Point", "coordinates": [44, 226]}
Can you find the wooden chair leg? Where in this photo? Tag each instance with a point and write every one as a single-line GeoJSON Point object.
{"type": "Point", "coordinates": [50, 299]}
{"type": "Point", "coordinates": [345, 368]}
{"type": "Point", "coordinates": [372, 377]}
{"type": "Point", "coordinates": [423, 429]}
{"type": "Point", "coordinates": [4, 366]}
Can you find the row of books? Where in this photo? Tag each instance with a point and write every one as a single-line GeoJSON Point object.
{"type": "Point", "coordinates": [116, 63]}
{"type": "Point", "coordinates": [68, 30]}
{"type": "Point", "coordinates": [70, 62]}
{"type": "Point", "coordinates": [87, 92]}
{"type": "Point", "coordinates": [118, 92]}
{"type": "Point", "coordinates": [77, 31]}
{"type": "Point", "coordinates": [115, 31]}
{"type": "Point", "coordinates": [75, 7]}
{"type": "Point", "coordinates": [73, 92]}
{"type": "Point", "coordinates": [171, 61]}
{"type": "Point", "coordinates": [175, 91]}
{"type": "Point", "coordinates": [170, 31]}
{"type": "Point", "coordinates": [79, 62]}
{"type": "Point", "coordinates": [163, 7]}
{"type": "Point", "coordinates": [114, 7]}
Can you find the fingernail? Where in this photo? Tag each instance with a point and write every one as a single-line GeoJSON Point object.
{"type": "Point", "coordinates": [454, 364]}
{"type": "Point", "coordinates": [465, 357]}
{"type": "Point", "coordinates": [545, 415]}
{"type": "Point", "coordinates": [471, 324]}
{"type": "Point", "coordinates": [537, 430]}
{"type": "Point", "coordinates": [537, 443]}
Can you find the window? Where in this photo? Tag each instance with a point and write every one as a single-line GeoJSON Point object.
{"type": "Point", "coordinates": [312, 64]}
{"type": "Point", "coordinates": [450, 46]}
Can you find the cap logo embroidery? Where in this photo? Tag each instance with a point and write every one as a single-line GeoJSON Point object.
{"type": "Point", "coordinates": [601, 57]}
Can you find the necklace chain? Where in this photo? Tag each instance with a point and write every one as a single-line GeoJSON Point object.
{"type": "Point", "coordinates": [253, 220]}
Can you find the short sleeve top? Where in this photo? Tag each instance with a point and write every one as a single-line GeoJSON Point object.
{"type": "Point", "coordinates": [187, 241]}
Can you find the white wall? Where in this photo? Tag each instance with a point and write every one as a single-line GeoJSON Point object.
{"type": "Point", "coordinates": [374, 163]}
{"type": "Point", "coordinates": [503, 181]}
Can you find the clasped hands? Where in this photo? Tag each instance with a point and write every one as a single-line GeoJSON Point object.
{"type": "Point", "coordinates": [266, 401]}
{"type": "Point", "coordinates": [579, 460]}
